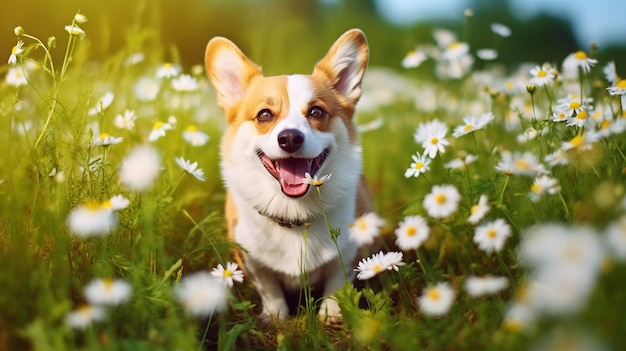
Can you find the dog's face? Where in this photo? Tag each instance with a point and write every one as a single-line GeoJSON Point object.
{"type": "Point", "coordinates": [280, 128]}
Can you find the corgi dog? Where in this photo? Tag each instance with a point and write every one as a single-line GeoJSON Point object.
{"type": "Point", "coordinates": [284, 131]}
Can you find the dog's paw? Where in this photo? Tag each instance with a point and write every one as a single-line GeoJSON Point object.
{"type": "Point", "coordinates": [330, 313]}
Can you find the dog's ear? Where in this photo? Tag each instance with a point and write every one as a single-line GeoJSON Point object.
{"type": "Point", "coordinates": [345, 64]}
{"type": "Point", "coordinates": [229, 70]}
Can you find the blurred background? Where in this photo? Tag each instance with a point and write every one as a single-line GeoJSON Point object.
{"type": "Point", "coordinates": [288, 36]}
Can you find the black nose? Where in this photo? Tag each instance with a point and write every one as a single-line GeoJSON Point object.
{"type": "Point", "coordinates": [290, 140]}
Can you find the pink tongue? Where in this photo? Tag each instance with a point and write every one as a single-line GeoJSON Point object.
{"type": "Point", "coordinates": [292, 172]}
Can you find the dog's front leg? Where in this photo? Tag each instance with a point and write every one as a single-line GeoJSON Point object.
{"type": "Point", "coordinates": [267, 284]}
{"type": "Point", "coordinates": [329, 312]}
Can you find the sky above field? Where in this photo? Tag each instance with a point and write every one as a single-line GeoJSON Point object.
{"type": "Point", "coordinates": [600, 21]}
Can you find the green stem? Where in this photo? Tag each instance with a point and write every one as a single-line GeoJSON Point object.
{"type": "Point", "coordinates": [506, 183]}
{"type": "Point", "coordinates": [331, 230]}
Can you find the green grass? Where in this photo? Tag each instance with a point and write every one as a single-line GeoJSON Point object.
{"type": "Point", "coordinates": [49, 167]}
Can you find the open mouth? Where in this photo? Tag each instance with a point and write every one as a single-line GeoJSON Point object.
{"type": "Point", "coordinates": [290, 172]}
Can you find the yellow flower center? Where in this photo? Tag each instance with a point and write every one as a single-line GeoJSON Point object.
{"type": "Point", "coordinates": [106, 204]}
{"type": "Point", "coordinates": [513, 325]}
{"type": "Point", "coordinates": [419, 165]}
{"type": "Point", "coordinates": [468, 127]}
{"type": "Point", "coordinates": [361, 224]}
{"type": "Point", "coordinates": [228, 273]}
{"type": "Point", "coordinates": [108, 283]}
{"type": "Point", "coordinates": [377, 268]}
{"type": "Point", "coordinates": [410, 231]}
{"type": "Point", "coordinates": [577, 141]}
{"type": "Point", "coordinates": [92, 205]}
{"type": "Point", "coordinates": [582, 115]}
{"type": "Point", "coordinates": [434, 141]}
{"type": "Point", "coordinates": [542, 73]}
{"type": "Point", "coordinates": [454, 45]}
{"type": "Point", "coordinates": [521, 164]}
{"type": "Point", "coordinates": [621, 84]}
{"type": "Point", "coordinates": [474, 209]}
{"type": "Point", "coordinates": [104, 136]}
{"type": "Point", "coordinates": [491, 233]}
{"type": "Point", "coordinates": [192, 128]}
{"type": "Point", "coordinates": [535, 188]}
{"type": "Point", "coordinates": [580, 55]}
{"type": "Point", "coordinates": [605, 124]}
{"type": "Point", "coordinates": [15, 50]}
{"type": "Point", "coordinates": [433, 294]}
{"type": "Point", "coordinates": [440, 199]}
{"type": "Point", "coordinates": [562, 115]}
{"type": "Point", "coordinates": [167, 65]}
{"type": "Point", "coordinates": [574, 105]}
{"type": "Point", "coordinates": [158, 125]}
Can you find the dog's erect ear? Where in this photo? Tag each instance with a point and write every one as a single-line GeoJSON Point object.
{"type": "Point", "coordinates": [345, 64]}
{"type": "Point", "coordinates": [229, 70]}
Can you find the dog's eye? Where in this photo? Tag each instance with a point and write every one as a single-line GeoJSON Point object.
{"type": "Point", "coordinates": [317, 112]}
{"type": "Point", "coordinates": [264, 115]}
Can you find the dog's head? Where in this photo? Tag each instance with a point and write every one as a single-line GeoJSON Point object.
{"type": "Point", "coordinates": [282, 127]}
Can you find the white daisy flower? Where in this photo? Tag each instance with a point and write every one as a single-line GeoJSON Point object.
{"type": "Point", "coordinates": [487, 54]}
{"type": "Point", "coordinates": [487, 285]}
{"type": "Point", "coordinates": [105, 140]}
{"type": "Point", "coordinates": [194, 136]}
{"type": "Point", "coordinates": [377, 263]}
{"type": "Point", "coordinates": [473, 123]}
{"type": "Point", "coordinates": [411, 233]}
{"type": "Point", "coordinates": [419, 165]}
{"type": "Point", "coordinates": [518, 163]}
{"type": "Point", "coordinates": [557, 158]}
{"type": "Point", "coordinates": [491, 237]}
{"type": "Point", "coordinates": [480, 210]}
{"type": "Point", "coordinates": [201, 294]}
{"type": "Point", "coordinates": [414, 58]}
{"type": "Point", "coordinates": [436, 300]}
{"type": "Point", "coordinates": [168, 70]}
{"type": "Point", "coordinates": [125, 120]}
{"type": "Point", "coordinates": [366, 228]}
{"type": "Point", "coordinates": [102, 104]}
{"type": "Point", "coordinates": [107, 292]}
{"type": "Point", "coordinates": [17, 49]}
{"type": "Point", "coordinates": [140, 168]}
{"type": "Point", "coordinates": [619, 88]}
{"type": "Point", "coordinates": [518, 317]}
{"type": "Point", "coordinates": [442, 201]}
{"type": "Point", "coordinates": [185, 83]}
{"type": "Point", "coordinates": [581, 119]}
{"type": "Point", "coordinates": [191, 168]}
{"type": "Point", "coordinates": [615, 237]}
{"type": "Point", "coordinates": [501, 30]}
{"type": "Point", "coordinates": [315, 180]}
{"type": "Point", "coordinates": [542, 75]}
{"type": "Point", "coordinates": [119, 202]}
{"type": "Point", "coordinates": [75, 30]}
{"type": "Point", "coordinates": [16, 76]}
{"type": "Point", "coordinates": [610, 72]}
{"type": "Point", "coordinates": [147, 89]}
{"type": "Point", "coordinates": [461, 162]}
{"type": "Point", "coordinates": [542, 185]}
{"type": "Point", "coordinates": [580, 142]}
{"type": "Point", "coordinates": [92, 218]}
{"type": "Point", "coordinates": [84, 316]}
{"type": "Point", "coordinates": [158, 130]}
{"type": "Point", "coordinates": [577, 60]}
{"type": "Point", "coordinates": [228, 275]}
{"type": "Point", "coordinates": [432, 136]}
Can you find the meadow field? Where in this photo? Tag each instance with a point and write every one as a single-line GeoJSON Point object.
{"type": "Point", "coordinates": [499, 190]}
